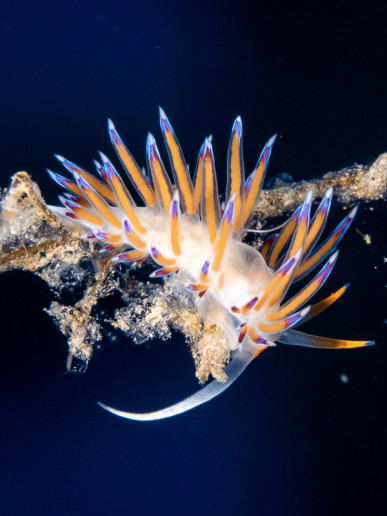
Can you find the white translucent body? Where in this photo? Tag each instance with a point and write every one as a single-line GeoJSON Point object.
{"type": "Point", "coordinates": [242, 274]}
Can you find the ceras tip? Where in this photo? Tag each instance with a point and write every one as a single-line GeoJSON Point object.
{"type": "Point", "coordinates": [82, 183]}
{"type": "Point", "coordinates": [305, 207]}
{"type": "Point", "coordinates": [97, 165]}
{"type": "Point", "coordinates": [70, 196]}
{"type": "Point", "coordinates": [237, 127]}
{"type": "Point", "coordinates": [352, 213]}
{"type": "Point", "coordinates": [326, 200]}
{"type": "Point", "coordinates": [329, 192]}
{"type": "Point", "coordinates": [69, 203]}
{"type": "Point", "coordinates": [295, 318]}
{"type": "Point", "coordinates": [101, 171]}
{"type": "Point", "coordinates": [207, 150]}
{"type": "Point", "coordinates": [116, 258]}
{"type": "Point", "coordinates": [120, 258]}
{"type": "Point", "coordinates": [309, 196]}
{"type": "Point", "coordinates": [333, 257]}
{"type": "Point", "coordinates": [270, 141]}
{"type": "Point", "coordinates": [163, 116]}
{"type": "Point", "coordinates": [114, 137]}
{"type": "Point", "coordinates": [104, 158]}
{"type": "Point", "coordinates": [150, 140]}
{"type": "Point", "coordinates": [151, 147]}
{"type": "Point", "coordinates": [63, 199]}
{"type": "Point", "coordinates": [62, 181]}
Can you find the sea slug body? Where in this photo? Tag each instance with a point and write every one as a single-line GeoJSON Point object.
{"type": "Point", "coordinates": [198, 248]}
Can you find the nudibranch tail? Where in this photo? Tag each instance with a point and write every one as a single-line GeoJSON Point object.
{"type": "Point", "coordinates": [238, 363]}
{"type": "Point", "coordinates": [198, 249]}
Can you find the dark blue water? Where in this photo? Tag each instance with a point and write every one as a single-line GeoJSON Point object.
{"type": "Point", "coordinates": [289, 438]}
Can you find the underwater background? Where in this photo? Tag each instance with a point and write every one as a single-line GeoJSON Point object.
{"type": "Point", "coordinates": [302, 432]}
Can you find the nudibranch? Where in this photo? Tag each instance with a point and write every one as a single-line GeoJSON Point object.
{"type": "Point", "coordinates": [198, 249]}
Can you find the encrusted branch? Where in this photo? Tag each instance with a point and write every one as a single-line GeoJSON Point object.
{"type": "Point", "coordinates": [351, 186]}
{"type": "Point", "coordinates": [33, 239]}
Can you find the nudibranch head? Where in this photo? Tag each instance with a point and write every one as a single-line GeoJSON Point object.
{"type": "Point", "coordinates": [198, 248]}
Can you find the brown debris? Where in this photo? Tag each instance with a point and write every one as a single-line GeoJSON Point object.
{"type": "Point", "coordinates": [211, 353]}
{"type": "Point", "coordinates": [77, 323]}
